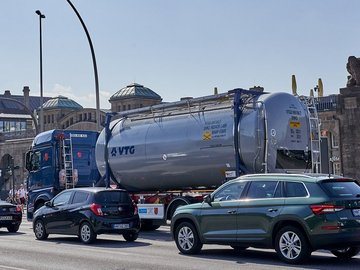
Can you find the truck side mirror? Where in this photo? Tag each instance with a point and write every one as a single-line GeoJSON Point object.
{"type": "Point", "coordinates": [28, 161]}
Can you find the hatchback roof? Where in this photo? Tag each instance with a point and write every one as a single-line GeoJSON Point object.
{"type": "Point", "coordinates": [97, 189]}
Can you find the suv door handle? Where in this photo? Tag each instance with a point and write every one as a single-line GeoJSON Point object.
{"type": "Point", "coordinates": [231, 212]}
{"type": "Point", "coordinates": [272, 210]}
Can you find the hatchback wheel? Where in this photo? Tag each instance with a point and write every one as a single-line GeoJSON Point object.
{"type": "Point", "coordinates": [130, 236]}
{"type": "Point", "coordinates": [291, 245]}
{"type": "Point", "coordinates": [39, 230]}
{"type": "Point", "coordinates": [187, 239]}
{"type": "Point", "coordinates": [13, 228]}
{"type": "Point", "coordinates": [87, 234]}
{"type": "Point", "coordinates": [346, 253]}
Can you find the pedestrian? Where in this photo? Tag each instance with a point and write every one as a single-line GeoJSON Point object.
{"type": "Point", "coordinates": [22, 196]}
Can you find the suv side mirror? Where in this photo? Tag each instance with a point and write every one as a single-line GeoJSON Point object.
{"type": "Point", "coordinates": [208, 199]}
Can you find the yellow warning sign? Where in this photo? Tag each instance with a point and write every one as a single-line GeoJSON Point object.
{"type": "Point", "coordinates": [295, 124]}
{"type": "Point", "coordinates": [207, 135]}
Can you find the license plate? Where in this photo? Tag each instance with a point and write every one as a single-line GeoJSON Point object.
{"type": "Point", "coordinates": [5, 217]}
{"type": "Point", "coordinates": [356, 212]}
{"type": "Point", "coordinates": [121, 226]}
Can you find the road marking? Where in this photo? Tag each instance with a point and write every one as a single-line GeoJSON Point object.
{"type": "Point", "coordinates": [11, 267]}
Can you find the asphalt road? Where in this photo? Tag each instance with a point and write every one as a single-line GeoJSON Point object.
{"type": "Point", "coordinates": [152, 250]}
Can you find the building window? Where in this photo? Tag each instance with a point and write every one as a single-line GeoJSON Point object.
{"type": "Point", "coordinates": [85, 116]}
{"type": "Point", "coordinates": [141, 105]}
{"type": "Point", "coordinates": [89, 116]}
{"type": "Point", "coordinates": [124, 107]}
{"type": "Point", "coordinates": [48, 119]}
{"type": "Point", "coordinates": [129, 107]}
{"type": "Point", "coordinates": [52, 118]}
{"type": "Point", "coordinates": [71, 121]}
{"type": "Point", "coordinates": [334, 141]}
{"type": "Point", "coordinates": [336, 168]}
{"type": "Point", "coordinates": [80, 117]}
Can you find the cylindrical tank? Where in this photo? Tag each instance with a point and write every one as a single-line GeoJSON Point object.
{"type": "Point", "coordinates": [195, 147]}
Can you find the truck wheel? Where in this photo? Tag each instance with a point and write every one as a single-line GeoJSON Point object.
{"type": "Point", "coordinates": [187, 239]}
{"type": "Point", "coordinates": [346, 253]}
{"type": "Point", "coordinates": [13, 228]}
{"type": "Point", "coordinates": [130, 236]}
{"type": "Point", "coordinates": [86, 233]}
{"type": "Point", "coordinates": [39, 230]}
{"type": "Point", "coordinates": [147, 225]}
{"type": "Point", "coordinates": [291, 245]}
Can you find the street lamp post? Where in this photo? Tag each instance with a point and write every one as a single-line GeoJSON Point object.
{"type": "Point", "coordinates": [94, 65]}
{"type": "Point", "coordinates": [41, 16]}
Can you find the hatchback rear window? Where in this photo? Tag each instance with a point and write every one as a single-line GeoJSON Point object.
{"type": "Point", "coordinates": [104, 197]}
{"type": "Point", "coordinates": [342, 189]}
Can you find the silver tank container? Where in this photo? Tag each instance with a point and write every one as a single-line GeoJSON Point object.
{"type": "Point", "coordinates": [195, 147]}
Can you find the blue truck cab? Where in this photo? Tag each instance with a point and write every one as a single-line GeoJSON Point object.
{"type": "Point", "coordinates": [59, 159]}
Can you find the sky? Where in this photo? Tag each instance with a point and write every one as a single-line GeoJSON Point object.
{"type": "Point", "coordinates": [177, 48]}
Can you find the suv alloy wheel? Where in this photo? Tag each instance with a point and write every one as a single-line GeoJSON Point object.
{"type": "Point", "coordinates": [187, 239]}
{"type": "Point", "coordinates": [291, 245]}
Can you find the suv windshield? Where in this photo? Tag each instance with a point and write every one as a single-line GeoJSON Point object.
{"type": "Point", "coordinates": [342, 188]}
{"type": "Point", "coordinates": [104, 197]}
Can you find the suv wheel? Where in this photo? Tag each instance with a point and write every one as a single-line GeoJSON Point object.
{"type": "Point", "coordinates": [87, 234]}
{"type": "Point", "coordinates": [39, 230]}
{"type": "Point", "coordinates": [346, 253]}
{"type": "Point", "coordinates": [130, 236]}
{"type": "Point", "coordinates": [291, 245]}
{"type": "Point", "coordinates": [187, 239]}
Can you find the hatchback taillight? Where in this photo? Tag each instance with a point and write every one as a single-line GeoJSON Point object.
{"type": "Point", "coordinates": [96, 209]}
{"type": "Point", "coordinates": [18, 209]}
{"type": "Point", "coordinates": [319, 209]}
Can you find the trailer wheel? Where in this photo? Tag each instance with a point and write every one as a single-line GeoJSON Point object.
{"type": "Point", "coordinates": [148, 225]}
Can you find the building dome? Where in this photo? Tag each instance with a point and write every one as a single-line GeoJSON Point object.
{"type": "Point", "coordinates": [61, 102]}
{"type": "Point", "coordinates": [135, 91]}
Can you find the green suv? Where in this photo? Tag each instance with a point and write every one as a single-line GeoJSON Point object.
{"type": "Point", "coordinates": [294, 214]}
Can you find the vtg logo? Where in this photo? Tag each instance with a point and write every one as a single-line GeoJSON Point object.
{"type": "Point", "coordinates": [122, 150]}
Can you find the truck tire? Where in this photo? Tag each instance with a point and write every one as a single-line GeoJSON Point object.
{"type": "Point", "coordinates": [148, 225]}
{"type": "Point", "coordinates": [346, 253]}
{"type": "Point", "coordinates": [86, 233]}
{"type": "Point", "coordinates": [187, 239]}
{"type": "Point", "coordinates": [291, 245]}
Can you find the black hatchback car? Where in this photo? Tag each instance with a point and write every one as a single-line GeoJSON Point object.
{"type": "Point", "coordinates": [10, 216]}
{"type": "Point", "coordinates": [87, 212]}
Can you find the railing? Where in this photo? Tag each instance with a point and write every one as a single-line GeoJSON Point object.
{"type": "Point", "coordinates": [329, 103]}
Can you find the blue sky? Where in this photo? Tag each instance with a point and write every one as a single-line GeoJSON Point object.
{"type": "Point", "coordinates": [177, 48]}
